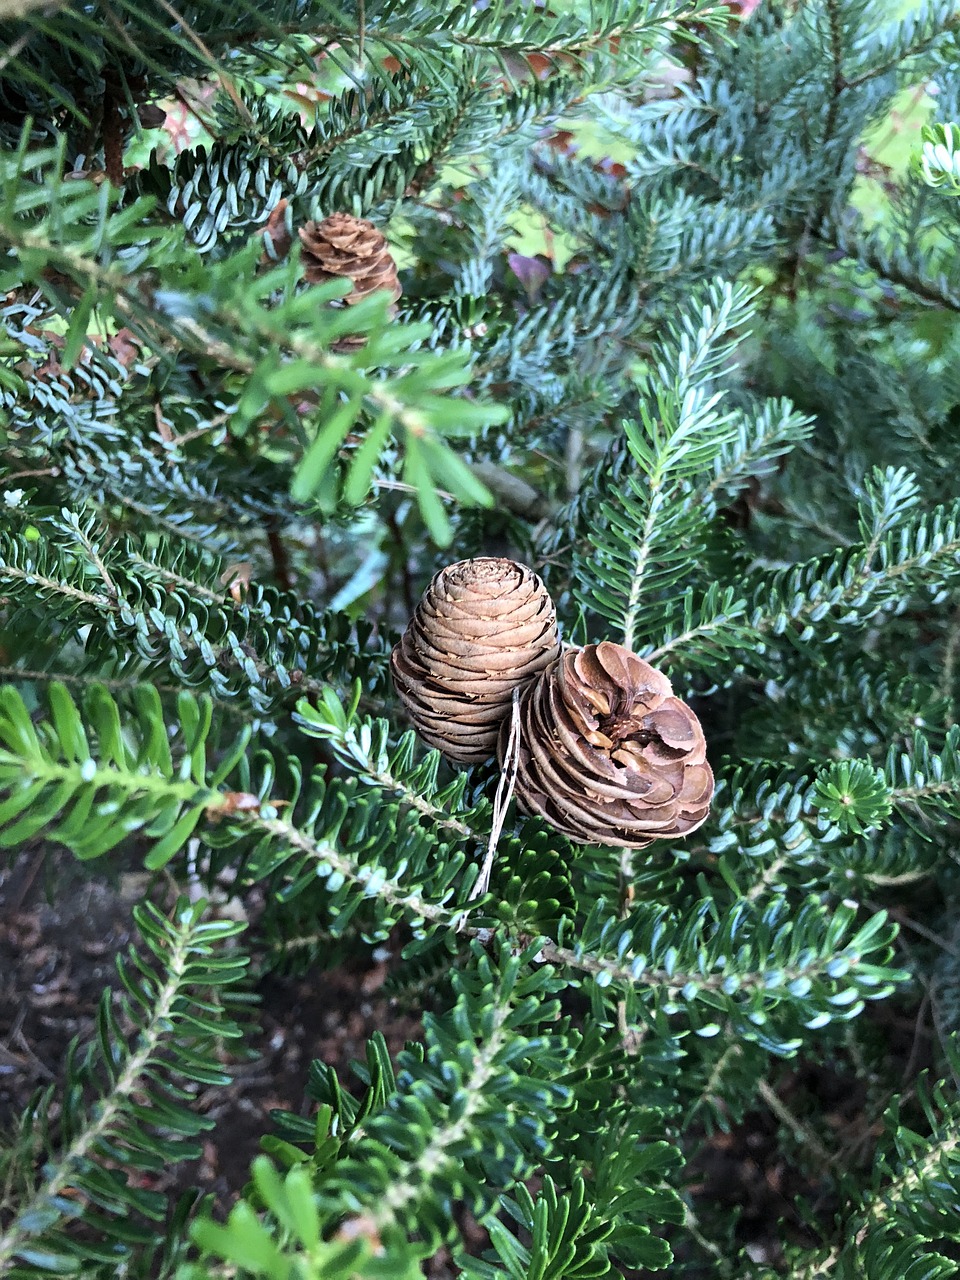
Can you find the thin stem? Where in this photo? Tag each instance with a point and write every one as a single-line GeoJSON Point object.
{"type": "Point", "coordinates": [225, 81]}
{"type": "Point", "coordinates": [805, 1136]}
{"type": "Point", "coordinates": [54, 587]}
{"type": "Point", "coordinates": [415, 800]}
{"type": "Point", "coordinates": [176, 579]}
{"type": "Point", "coordinates": [677, 642]}
{"type": "Point", "coordinates": [640, 562]}
{"type": "Point", "coordinates": [948, 669]}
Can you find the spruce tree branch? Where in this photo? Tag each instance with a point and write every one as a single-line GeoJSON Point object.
{"type": "Point", "coordinates": [366, 751]}
{"type": "Point", "coordinates": [578, 44]}
{"type": "Point", "coordinates": [863, 583]}
{"type": "Point", "coordinates": [708, 1092]}
{"type": "Point", "coordinates": [114, 610]}
{"type": "Point", "coordinates": [170, 527]}
{"type": "Point", "coordinates": [712, 627]}
{"type": "Point", "coordinates": [412, 903]}
{"type": "Point", "coordinates": [821, 527]}
{"type": "Point", "coordinates": [95, 559]}
{"type": "Point", "coordinates": [911, 795]}
{"type": "Point", "coordinates": [370, 120]}
{"type": "Point", "coordinates": [324, 851]}
{"type": "Point", "coordinates": [659, 979]}
{"type": "Point", "coordinates": [817, 212]}
{"type": "Point", "coordinates": [801, 1132]}
{"type": "Point", "coordinates": [226, 83]}
{"type": "Point", "coordinates": [121, 289]}
{"type": "Point", "coordinates": [895, 270]}
{"type": "Point", "coordinates": [948, 670]}
{"type": "Point", "coordinates": [57, 1174]}
{"type": "Point", "coordinates": [302, 941]}
{"type": "Point", "coordinates": [838, 83]}
{"type": "Point", "coordinates": [103, 603]}
{"type": "Point", "coordinates": [194, 588]}
{"type": "Point", "coordinates": [383, 778]}
{"type": "Point", "coordinates": [115, 779]}
{"type": "Point", "coordinates": [725, 1268]}
{"type": "Point", "coordinates": [85, 681]}
{"type": "Point", "coordinates": [888, 1199]}
{"type": "Point", "coordinates": [915, 926]}
{"type": "Point", "coordinates": [228, 708]}
{"type": "Point", "coordinates": [768, 878]}
{"type": "Point", "coordinates": [910, 51]}
{"type": "Point", "coordinates": [441, 1149]}
{"type": "Point", "coordinates": [741, 467]}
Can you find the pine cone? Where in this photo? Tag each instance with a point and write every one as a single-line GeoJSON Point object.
{"type": "Point", "coordinates": [607, 754]}
{"type": "Point", "coordinates": [482, 629]}
{"type": "Point", "coordinates": [342, 247]}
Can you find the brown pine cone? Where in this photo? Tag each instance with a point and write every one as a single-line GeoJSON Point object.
{"type": "Point", "coordinates": [342, 247]}
{"type": "Point", "coordinates": [482, 629]}
{"type": "Point", "coordinates": [607, 754]}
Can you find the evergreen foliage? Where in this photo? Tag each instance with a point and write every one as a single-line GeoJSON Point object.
{"type": "Point", "coordinates": [672, 333]}
{"type": "Point", "coordinates": [125, 1110]}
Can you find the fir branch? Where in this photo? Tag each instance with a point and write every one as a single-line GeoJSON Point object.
{"type": "Point", "coordinates": [908, 40]}
{"type": "Point", "coordinates": [328, 859]}
{"type": "Point", "coordinates": [498, 29]}
{"type": "Point", "coordinates": [447, 1138]}
{"type": "Point", "coordinates": [174, 1024]}
{"type": "Point", "coordinates": [364, 745]}
{"type": "Point", "coordinates": [891, 263]}
{"type": "Point", "coordinates": [203, 592]}
{"type": "Point", "coordinates": [62, 1173]}
{"type": "Point", "coordinates": [709, 629]}
{"type": "Point", "coordinates": [55, 587]}
{"type": "Point", "coordinates": [55, 784]}
{"type": "Point", "coordinates": [764, 434]}
{"type": "Point", "coordinates": [174, 621]}
{"type": "Point", "coordinates": [855, 585]}
{"type": "Point", "coordinates": [653, 526]}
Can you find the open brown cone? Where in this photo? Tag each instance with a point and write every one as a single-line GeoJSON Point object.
{"type": "Point", "coordinates": [483, 628]}
{"type": "Point", "coordinates": [607, 754]}
{"type": "Point", "coordinates": [343, 247]}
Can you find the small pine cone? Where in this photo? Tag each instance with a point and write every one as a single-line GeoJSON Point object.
{"type": "Point", "coordinates": [482, 629]}
{"type": "Point", "coordinates": [607, 754]}
{"type": "Point", "coordinates": [342, 247]}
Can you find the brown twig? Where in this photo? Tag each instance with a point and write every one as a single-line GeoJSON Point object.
{"type": "Point", "coordinates": [225, 82]}
{"type": "Point", "coordinates": [281, 561]}
{"type": "Point", "coordinates": [111, 129]}
{"type": "Point", "coordinates": [409, 595]}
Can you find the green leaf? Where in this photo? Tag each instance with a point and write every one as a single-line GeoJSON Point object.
{"type": "Point", "coordinates": [453, 473]}
{"type": "Point", "coordinates": [243, 1240]}
{"type": "Point", "coordinates": [417, 473]}
{"type": "Point", "coordinates": [365, 459]}
{"type": "Point", "coordinates": [316, 462]}
{"type": "Point", "coordinates": [178, 835]}
{"type": "Point", "coordinates": [76, 334]}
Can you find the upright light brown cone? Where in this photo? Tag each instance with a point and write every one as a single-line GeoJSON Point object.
{"type": "Point", "coordinates": [607, 754]}
{"type": "Point", "coordinates": [342, 247]}
{"type": "Point", "coordinates": [483, 628]}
